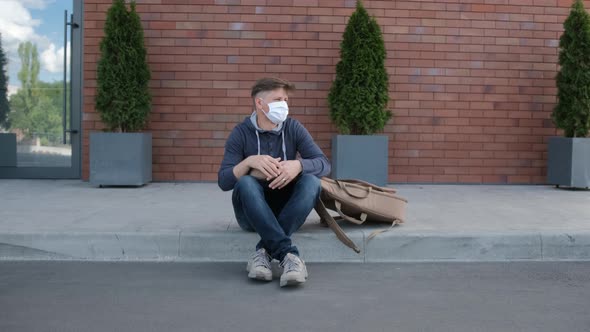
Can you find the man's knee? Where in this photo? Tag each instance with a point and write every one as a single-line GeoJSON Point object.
{"type": "Point", "coordinates": [247, 183]}
{"type": "Point", "coordinates": [310, 183]}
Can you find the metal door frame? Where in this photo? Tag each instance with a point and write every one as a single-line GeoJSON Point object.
{"type": "Point", "coordinates": [76, 59]}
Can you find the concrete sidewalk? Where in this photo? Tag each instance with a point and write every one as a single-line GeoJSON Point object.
{"type": "Point", "coordinates": [69, 219]}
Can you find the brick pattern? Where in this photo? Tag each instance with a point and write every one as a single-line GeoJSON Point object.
{"type": "Point", "coordinates": [471, 81]}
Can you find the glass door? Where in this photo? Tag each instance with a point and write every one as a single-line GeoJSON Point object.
{"type": "Point", "coordinates": [40, 102]}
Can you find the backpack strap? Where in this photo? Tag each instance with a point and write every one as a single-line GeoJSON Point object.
{"type": "Point", "coordinates": [347, 217]}
{"type": "Point", "coordinates": [377, 232]}
{"type": "Point", "coordinates": [320, 208]}
{"type": "Point", "coordinates": [342, 185]}
{"type": "Point", "coordinates": [367, 184]}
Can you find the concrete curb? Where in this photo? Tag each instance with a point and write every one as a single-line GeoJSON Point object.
{"type": "Point", "coordinates": [317, 246]}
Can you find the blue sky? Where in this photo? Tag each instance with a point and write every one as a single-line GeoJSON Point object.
{"type": "Point", "coordinates": [52, 19]}
{"type": "Point", "coordinates": [38, 21]}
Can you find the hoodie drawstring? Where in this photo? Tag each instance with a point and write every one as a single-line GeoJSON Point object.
{"type": "Point", "coordinates": [258, 139]}
{"type": "Point", "coordinates": [284, 147]}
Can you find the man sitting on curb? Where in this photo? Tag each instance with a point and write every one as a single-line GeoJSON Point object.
{"type": "Point", "coordinates": [274, 189]}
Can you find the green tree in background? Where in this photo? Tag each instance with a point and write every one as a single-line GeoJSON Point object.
{"type": "Point", "coordinates": [572, 112]}
{"type": "Point", "coordinates": [359, 95]}
{"type": "Point", "coordinates": [29, 72]}
{"type": "Point", "coordinates": [26, 99]}
{"type": "Point", "coordinates": [4, 106]}
{"type": "Point", "coordinates": [37, 106]}
{"type": "Point", "coordinates": [123, 98]}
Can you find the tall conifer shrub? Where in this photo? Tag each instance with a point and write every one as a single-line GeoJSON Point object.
{"type": "Point", "coordinates": [572, 112]}
{"type": "Point", "coordinates": [123, 97]}
{"type": "Point", "coordinates": [359, 94]}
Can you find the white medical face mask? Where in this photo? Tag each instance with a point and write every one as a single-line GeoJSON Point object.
{"type": "Point", "coordinates": [277, 112]}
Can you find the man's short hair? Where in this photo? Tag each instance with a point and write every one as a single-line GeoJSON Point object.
{"type": "Point", "coordinates": [270, 84]}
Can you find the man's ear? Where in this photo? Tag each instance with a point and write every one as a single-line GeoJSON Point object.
{"type": "Point", "coordinates": [257, 103]}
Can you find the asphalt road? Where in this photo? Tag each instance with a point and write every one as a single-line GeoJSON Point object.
{"type": "Point", "coordinates": [90, 296]}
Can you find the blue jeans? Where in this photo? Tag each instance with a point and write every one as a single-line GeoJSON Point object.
{"type": "Point", "coordinates": [274, 214]}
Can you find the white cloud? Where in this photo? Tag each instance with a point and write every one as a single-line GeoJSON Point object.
{"type": "Point", "coordinates": [17, 25]}
{"type": "Point", "coordinates": [35, 4]}
{"type": "Point", "coordinates": [52, 60]}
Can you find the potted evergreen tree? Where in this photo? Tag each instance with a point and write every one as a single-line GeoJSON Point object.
{"type": "Point", "coordinates": [122, 156]}
{"type": "Point", "coordinates": [358, 102]}
{"type": "Point", "coordinates": [568, 161]}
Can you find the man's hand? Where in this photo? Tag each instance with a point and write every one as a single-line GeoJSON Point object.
{"type": "Point", "coordinates": [257, 174]}
{"type": "Point", "coordinates": [269, 167]}
{"type": "Point", "coordinates": [290, 170]}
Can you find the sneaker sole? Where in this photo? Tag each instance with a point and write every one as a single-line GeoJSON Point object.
{"type": "Point", "coordinates": [258, 275]}
{"type": "Point", "coordinates": [292, 282]}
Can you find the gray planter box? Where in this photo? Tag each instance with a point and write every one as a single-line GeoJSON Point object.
{"type": "Point", "coordinates": [568, 162]}
{"type": "Point", "coordinates": [363, 157]}
{"type": "Point", "coordinates": [120, 159]}
{"type": "Point", "coordinates": [7, 150]}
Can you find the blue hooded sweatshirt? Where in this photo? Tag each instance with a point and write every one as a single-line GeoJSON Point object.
{"type": "Point", "coordinates": [286, 141]}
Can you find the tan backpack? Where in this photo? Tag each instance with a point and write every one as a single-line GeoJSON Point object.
{"type": "Point", "coordinates": [358, 202]}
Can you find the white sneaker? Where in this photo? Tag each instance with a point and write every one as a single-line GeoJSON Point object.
{"type": "Point", "coordinates": [259, 266]}
{"type": "Point", "coordinates": [294, 271]}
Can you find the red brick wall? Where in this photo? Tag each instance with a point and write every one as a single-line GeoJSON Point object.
{"type": "Point", "coordinates": [471, 82]}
